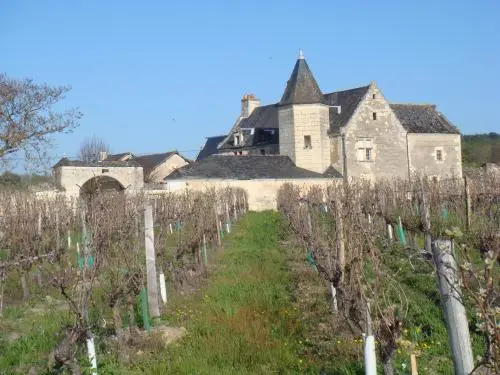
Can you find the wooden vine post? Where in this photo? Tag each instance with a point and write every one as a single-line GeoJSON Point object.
{"type": "Point", "coordinates": [152, 286]}
{"type": "Point", "coordinates": [451, 301]}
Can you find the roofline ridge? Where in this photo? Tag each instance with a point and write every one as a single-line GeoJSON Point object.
{"type": "Point", "coordinates": [410, 103]}
{"type": "Point", "coordinates": [354, 88]}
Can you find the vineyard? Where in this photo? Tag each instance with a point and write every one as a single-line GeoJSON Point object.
{"type": "Point", "coordinates": [396, 275]}
{"type": "Point", "coordinates": [374, 246]}
{"type": "Point", "coordinates": [99, 257]}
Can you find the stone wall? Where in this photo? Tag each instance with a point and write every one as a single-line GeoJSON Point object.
{"type": "Point", "coordinates": [262, 193]}
{"type": "Point", "coordinates": [299, 121]}
{"type": "Point", "coordinates": [384, 135]}
{"type": "Point", "coordinates": [423, 149]}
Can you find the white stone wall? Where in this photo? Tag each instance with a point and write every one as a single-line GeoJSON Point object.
{"type": "Point", "coordinates": [422, 151]}
{"type": "Point", "coordinates": [298, 121]}
{"type": "Point", "coordinates": [262, 193]}
{"type": "Point", "coordinates": [385, 136]}
{"type": "Point", "coordinates": [71, 179]}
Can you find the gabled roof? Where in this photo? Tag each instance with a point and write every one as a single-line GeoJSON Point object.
{"type": "Point", "coordinates": [423, 118]}
{"type": "Point", "coordinates": [118, 157]}
{"type": "Point", "coordinates": [348, 100]}
{"type": "Point", "coordinates": [65, 162]}
{"type": "Point", "coordinates": [244, 167]}
{"type": "Point", "coordinates": [150, 162]}
{"type": "Point", "coordinates": [210, 146]}
{"type": "Point", "coordinates": [301, 88]}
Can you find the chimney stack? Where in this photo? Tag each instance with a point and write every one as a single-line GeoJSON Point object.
{"type": "Point", "coordinates": [248, 103]}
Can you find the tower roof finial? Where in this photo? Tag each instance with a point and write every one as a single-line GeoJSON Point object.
{"type": "Point", "coordinates": [301, 54]}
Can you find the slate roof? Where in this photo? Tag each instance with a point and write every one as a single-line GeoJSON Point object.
{"type": "Point", "coordinates": [332, 172]}
{"type": "Point", "coordinates": [423, 118]}
{"type": "Point", "coordinates": [65, 162]}
{"type": "Point", "coordinates": [301, 88]}
{"type": "Point", "coordinates": [348, 100]}
{"type": "Point", "coordinates": [210, 146]}
{"type": "Point", "coordinates": [262, 117]}
{"type": "Point", "coordinates": [244, 167]}
{"type": "Point", "coordinates": [150, 162]}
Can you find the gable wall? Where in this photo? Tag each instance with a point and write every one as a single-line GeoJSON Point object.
{"type": "Point", "coordinates": [385, 136]}
{"type": "Point", "coordinates": [168, 166]}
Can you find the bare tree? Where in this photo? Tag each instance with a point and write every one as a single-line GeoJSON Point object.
{"type": "Point", "coordinates": [28, 120]}
{"type": "Point", "coordinates": [91, 149]}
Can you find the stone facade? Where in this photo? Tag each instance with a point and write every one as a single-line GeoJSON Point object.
{"type": "Point", "coordinates": [303, 135]}
{"type": "Point", "coordinates": [435, 155]}
{"type": "Point", "coordinates": [374, 140]}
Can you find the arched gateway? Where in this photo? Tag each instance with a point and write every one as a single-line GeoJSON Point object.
{"type": "Point", "coordinates": [77, 178]}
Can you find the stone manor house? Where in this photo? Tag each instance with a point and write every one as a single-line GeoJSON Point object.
{"type": "Point", "coordinates": [307, 138]}
{"type": "Point", "coordinates": [349, 133]}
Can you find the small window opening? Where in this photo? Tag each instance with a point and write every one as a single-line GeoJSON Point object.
{"type": "Point", "coordinates": [262, 151]}
{"type": "Point", "coordinates": [374, 115]}
{"type": "Point", "coordinates": [236, 140]}
{"type": "Point", "coordinates": [374, 96]}
{"type": "Point", "coordinates": [439, 155]}
{"type": "Point", "coordinates": [105, 170]}
{"type": "Point", "coordinates": [307, 141]}
{"type": "Point", "coordinates": [368, 154]}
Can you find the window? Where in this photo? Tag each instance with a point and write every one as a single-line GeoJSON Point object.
{"type": "Point", "coordinates": [374, 114]}
{"type": "Point", "coordinates": [307, 141]}
{"type": "Point", "coordinates": [262, 151]}
{"type": "Point", "coordinates": [236, 140]}
{"type": "Point", "coordinates": [105, 170]}
{"type": "Point", "coordinates": [439, 155]}
{"type": "Point", "coordinates": [368, 154]}
{"type": "Point", "coordinates": [374, 96]}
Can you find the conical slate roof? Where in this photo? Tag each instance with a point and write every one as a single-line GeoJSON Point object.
{"type": "Point", "coordinates": [301, 88]}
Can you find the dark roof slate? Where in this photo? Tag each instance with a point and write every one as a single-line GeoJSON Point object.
{"type": "Point", "coordinates": [348, 100]}
{"type": "Point", "coordinates": [423, 118]}
{"type": "Point", "coordinates": [210, 146]}
{"type": "Point", "coordinates": [65, 162]}
{"type": "Point", "coordinates": [332, 172]}
{"type": "Point", "coordinates": [302, 87]}
{"type": "Point", "coordinates": [244, 167]}
{"type": "Point", "coordinates": [262, 117]}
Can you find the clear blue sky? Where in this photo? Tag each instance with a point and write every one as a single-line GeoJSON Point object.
{"type": "Point", "coordinates": [152, 76]}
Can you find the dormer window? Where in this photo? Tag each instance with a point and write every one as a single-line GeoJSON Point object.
{"type": "Point", "coordinates": [237, 139]}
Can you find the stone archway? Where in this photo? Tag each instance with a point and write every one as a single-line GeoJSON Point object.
{"type": "Point", "coordinates": [100, 185]}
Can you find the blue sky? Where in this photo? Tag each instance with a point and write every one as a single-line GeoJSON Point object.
{"type": "Point", "coordinates": [152, 76]}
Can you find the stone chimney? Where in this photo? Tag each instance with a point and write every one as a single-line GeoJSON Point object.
{"type": "Point", "coordinates": [248, 103]}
